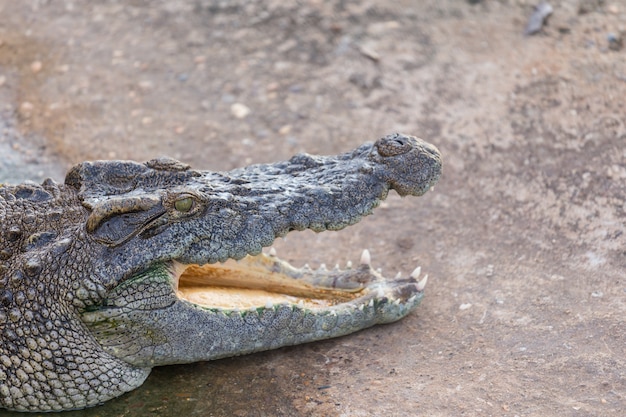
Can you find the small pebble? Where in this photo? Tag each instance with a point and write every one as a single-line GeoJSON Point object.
{"type": "Point", "coordinates": [369, 52]}
{"type": "Point", "coordinates": [538, 18]}
{"type": "Point", "coordinates": [206, 104]}
{"type": "Point", "coordinates": [615, 41]}
{"type": "Point", "coordinates": [36, 66]}
{"type": "Point", "coordinates": [26, 109]}
{"type": "Point", "coordinates": [145, 84]}
{"type": "Point", "coordinates": [239, 110]}
{"type": "Point", "coordinates": [3, 80]}
{"type": "Point", "coordinates": [381, 28]}
{"type": "Point", "coordinates": [465, 306]}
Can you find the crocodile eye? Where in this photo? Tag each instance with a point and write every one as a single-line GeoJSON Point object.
{"type": "Point", "coordinates": [184, 204]}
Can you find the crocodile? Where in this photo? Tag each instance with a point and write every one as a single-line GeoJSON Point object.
{"type": "Point", "coordinates": [126, 266]}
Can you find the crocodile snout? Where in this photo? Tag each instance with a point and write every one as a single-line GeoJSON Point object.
{"type": "Point", "coordinates": [410, 165]}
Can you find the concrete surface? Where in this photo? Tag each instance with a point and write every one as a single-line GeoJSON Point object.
{"type": "Point", "coordinates": [523, 238]}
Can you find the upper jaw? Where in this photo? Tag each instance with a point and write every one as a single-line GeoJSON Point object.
{"type": "Point", "coordinates": [134, 216]}
{"type": "Point", "coordinates": [259, 203]}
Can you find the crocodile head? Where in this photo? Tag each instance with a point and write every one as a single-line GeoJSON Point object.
{"type": "Point", "coordinates": [154, 264]}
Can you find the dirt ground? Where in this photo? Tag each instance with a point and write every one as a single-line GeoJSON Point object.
{"type": "Point", "coordinates": [524, 237]}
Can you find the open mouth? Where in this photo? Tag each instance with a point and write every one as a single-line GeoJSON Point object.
{"type": "Point", "coordinates": [264, 281]}
{"type": "Point", "coordinates": [241, 307]}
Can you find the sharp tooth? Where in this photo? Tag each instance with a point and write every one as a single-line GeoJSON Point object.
{"type": "Point", "coordinates": [268, 304]}
{"type": "Point", "coordinates": [366, 258]}
{"type": "Point", "coordinates": [349, 265]}
{"type": "Point", "coordinates": [398, 276]}
{"type": "Point", "coordinates": [371, 303]}
{"type": "Point", "coordinates": [411, 300]}
{"type": "Point", "coordinates": [432, 188]}
{"type": "Point", "coordinates": [307, 267]}
{"type": "Point", "coordinates": [379, 270]}
{"type": "Point", "coordinates": [323, 267]}
{"type": "Point", "coordinates": [416, 272]}
{"type": "Point", "coordinates": [420, 285]}
{"type": "Point", "coordinates": [272, 252]}
{"type": "Point", "coordinates": [336, 267]}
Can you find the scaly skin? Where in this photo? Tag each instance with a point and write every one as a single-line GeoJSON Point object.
{"type": "Point", "coordinates": [116, 271]}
